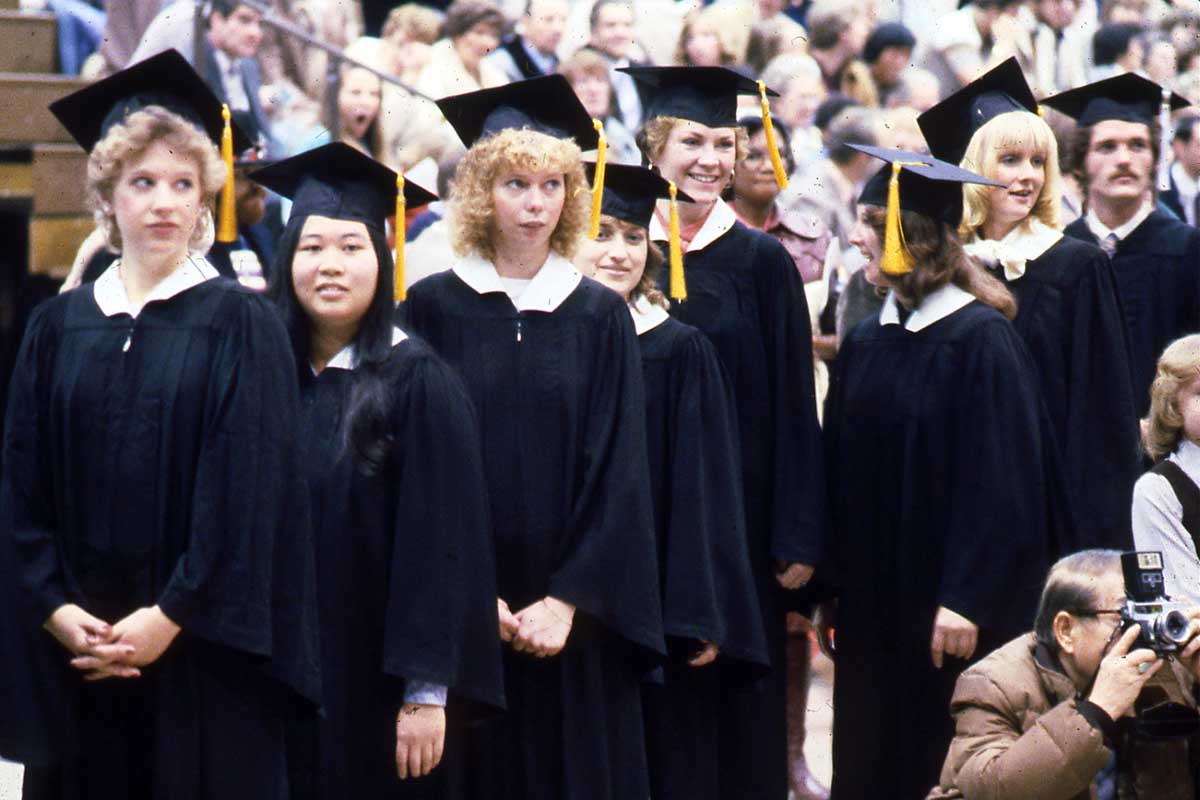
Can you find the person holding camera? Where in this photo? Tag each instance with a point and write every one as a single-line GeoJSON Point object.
{"type": "Point", "coordinates": [1043, 716]}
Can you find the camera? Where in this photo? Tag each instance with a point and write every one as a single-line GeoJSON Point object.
{"type": "Point", "coordinates": [1163, 622]}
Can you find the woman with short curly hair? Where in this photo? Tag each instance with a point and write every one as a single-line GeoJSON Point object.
{"type": "Point", "coordinates": [550, 359]}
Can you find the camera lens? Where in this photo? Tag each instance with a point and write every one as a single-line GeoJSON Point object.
{"type": "Point", "coordinates": [1173, 627]}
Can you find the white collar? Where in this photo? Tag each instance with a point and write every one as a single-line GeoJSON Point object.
{"type": "Point", "coordinates": [716, 225]}
{"type": "Point", "coordinates": [552, 284]}
{"type": "Point", "coordinates": [1101, 231]}
{"type": "Point", "coordinates": [347, 357]}
{"type": "Point", "coordinates": [1022, 244]}
{"type": "Point", "coordinates": [1187, 185]}
{"type": "Point", "coordinates": [228, 66]}
{"type": "Point", "coordinates": [110, 294]}
{"type": "Point", "coordinates": [934, 308]}
{"type": "Point", "coordinates": [646, 315]}
{"type": "Point", "coordinates": [1187, 456]}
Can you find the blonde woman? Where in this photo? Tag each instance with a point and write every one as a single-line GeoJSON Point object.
{"type": "Point", "coordinates": [153, 516]}
{"type": "Point", "coordinates": [1068, 310]}
{"type": "Point", "coordinates": [550, 359]}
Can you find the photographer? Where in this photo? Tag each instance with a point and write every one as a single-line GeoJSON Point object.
{"type": "Point", "coordinates": [1042, 716]}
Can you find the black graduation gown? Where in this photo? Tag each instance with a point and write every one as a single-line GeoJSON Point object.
{"type": "Point", "coordinates": [1158, 276]}
{"type": "Point", "coordinates": [561, 409]}
{"type": "Point", "coordinates": [745, 294]}
{"type": "Point", "coordinates": [143, 467]}
{"type": "Point", "coordinates": [704, 564]}
{"type": "Point", "coordinates": [1069, 315]}
{"type": "Point", "coordinates": [940, 458]}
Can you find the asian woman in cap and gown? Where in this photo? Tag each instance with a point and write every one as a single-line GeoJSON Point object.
{"type": "Point", "coordinates": [741, 289]}
{"type": "Point", "coordinates": [153, 518]}
{"type": "Point", "coordinates": [941, 470]}
{"type": "Point", "coordinates": [710, 605]}
{"type": "Point", "coordinates": [1068, 309]}
{"type": "Point", "coordinates": [405, 577]}
{"type": "Point", "coordinates": [551, 361]}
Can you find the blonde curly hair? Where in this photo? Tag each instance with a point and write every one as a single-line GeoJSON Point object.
{"type": "Point", "coordinates": [1178, 366]}
{"type": "Point", "coordinates": [126, 141]}
{"type": "Point", "coordinates": [472, 209]}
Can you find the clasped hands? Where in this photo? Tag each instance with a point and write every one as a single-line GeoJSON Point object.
{"type": "Point", "coordinates": [540, 629]}
{"type": "Point", "coordinates": [102, 650]}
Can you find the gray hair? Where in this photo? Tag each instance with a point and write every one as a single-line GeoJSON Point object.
{"type": "Point", "coordinates": [1069, 589]}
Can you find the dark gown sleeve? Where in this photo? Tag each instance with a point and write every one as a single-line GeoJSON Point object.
{"type": "Point", "coordinates": [709, 592]}
{"type": "Point", "coordinates": [441, 619]}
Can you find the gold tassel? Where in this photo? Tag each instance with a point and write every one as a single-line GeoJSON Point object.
{"type": "Point", "coordinates": [598, 180]}
{"type": "Point", "coordinates": [772, 148]}
{"type": "Point", "coordinates": [399, 292]}
{"type": "Point", "coordinates": [227, 210]}
{"type": "Point", "coordinates": [678, 287]}
{"type": "Point", "coordinates": [896, 259]}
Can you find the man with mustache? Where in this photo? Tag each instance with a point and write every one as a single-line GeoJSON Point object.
{"type": "Point", "coordinates": [1156, 257]}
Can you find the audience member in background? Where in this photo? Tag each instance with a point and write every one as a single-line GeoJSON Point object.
{"type": "Point", "coordinates": [231, 70]}
{"type": "Point", "coordinates": [773, 36]}
{"type": "Point", "coordinates": [611, 23]}
{"type": "Point", "coordinates": [1184, 194]}
{"type": "Point", "coordinates": [900, 131]}
{"type": "Point", "coordinates": [917, 89]}
{"type": "Point", "coordinates": [968, 41]}
{"type": "Point", "coordinates": [456, 63]}
{"type": "Point", "coordinates": [591, 79]}
{"type": "Point", "coordinates": [531, 50]}
{"type": "Point", "coordinates": [1160, 64]}
{"type": "Point", "coordinates": [801, 91]}
{"type": "Point", "coordinates": [837, 31]}
{"type": "Point", "coordinates": [711, 37]}
{"type": "Point", "coordinates": [428, 248]}
{"type": "Point", "coordinates": [1166, 500]}
{"type": "Point", "coordinates": [1060, 47]}
{"type": "Point", "coordinates": [1117, 48]}
{"type": "Point", "coordinates": [411, 30]}
{"type": "Point", "coordinates": [124, 25]}
{"type": "Point", "coordinates": [887, 53]}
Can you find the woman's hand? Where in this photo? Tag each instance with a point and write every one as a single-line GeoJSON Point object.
{"type": "Point", "coordinates": [793, 575]}
{"type": "Point", "coordinates": [544, 627]}
{"type": "Point", "coordinates": [91, 641]}
{"type": "Point", "coordinates": [1122, 675]}
{"type": "Point", "coordinates": [508, 621]}
{"type": "Point", "coordinates": [953, 635]}
{"type": "Point", "coordinates": [707, 655]}
{"type": "Point", "coordinates": [149, 632]}
{"type": "Point", "coordinates": [420, 738]}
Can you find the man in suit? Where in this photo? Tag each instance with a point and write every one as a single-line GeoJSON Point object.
{"type": "Point", "coordinates": [231, 69]}
{"type": "Point", "coordinates": [530, 52]}
{"type": "Point", "coordinates": [612, 35]}
{"type": "Point", "coordinates": [1184, 195]}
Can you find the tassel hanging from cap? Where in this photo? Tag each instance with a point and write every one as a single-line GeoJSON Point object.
{"type": "Point", "coordinates": [598, 180]}
{"type": "Point", "coordinates": [896, 259]}
{"type": "Point", "coordinates": [399, 291]}
{"type": "Point", "coordinates": [1164, 141]}
{"type": "Point", "coordinates": [678, 289]}
{"type": "Point", "coordinates": [781, 178]}
{"type": "Point", "coordinates": [227, 205]}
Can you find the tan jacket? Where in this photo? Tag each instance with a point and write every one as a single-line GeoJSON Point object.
{"type": "Point", "coordinates": [1019, 736]}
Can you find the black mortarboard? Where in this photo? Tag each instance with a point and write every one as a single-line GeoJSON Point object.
{"type": "Point", "coordinates": [339, 182]}
{"type": "Point", "coordinates": [707, 95]}
{"type": "Point", "coordinates": [949, 126]}
{"type": "Point", "coordinates": [630, 193]}
{"type": "Point", "coordinates": [1127, 97]}
{"type": "Point", "coordinates": [165, 80]}
{"type": "Point", "coordinates": [547, 105]}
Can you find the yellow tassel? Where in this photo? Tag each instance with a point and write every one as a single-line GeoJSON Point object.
{"type": "Point", "coordinates": [678, 288]}
{"type": "Point", "coordinates": [598, 180]}
{"type": "Point", "coordinates": [399, 292]}
{"type": "Point", "coordinates": [772, 148]}
{"type": "Point", "coordinates": [896, 259]}
{"type": "Point", "coordinates": [1041, 110]}
{"type": "Point", "coordinates": [227, 210]}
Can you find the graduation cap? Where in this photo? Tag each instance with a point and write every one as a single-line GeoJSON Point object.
{"type": "Point", "coordinates": [913, 182]}
{"type": "Point", "coordinates": [949, 126]}
{"type": "Point", "coordinates": [339, 182]}
{"type": "Point", "coordinates": [547, 105]}
{"type": "Point", "coordinates": [707, 95]}
{"type": "Point", "coordinates": [1128, 98]}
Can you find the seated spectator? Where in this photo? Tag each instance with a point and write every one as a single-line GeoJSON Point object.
{"type": "Point", "coordinates": [531, 50]}
{"type": "Point", "coordinates": [900, 130]}
{"type": "Point", "coordinates": [1060, 47]}
{"type": "Point", "coordinates": [838, 30]}
{"type": "Point", "coordinates": [1043, 715]}
{"type": "Point", "coordinates": [456, 63]}
{"type": "Point", "coordinates": [1183, 198]}
{"type": "Point", "coordinates": [611, 24]}
{"type": "Point", "coordinates": [1117, 48]}
{"type": "Point", "coordinates": [352, 108]}
{"type": "Point", "coordinates": [969, 41]}
{"type": "Point", "coordinates": [411, 30]}
{"type": "Point", "coordinates": [710, 38]}
{"type": "Point", "coordinates": [588, 73]}
{"type": "Point", "coordinates": [771, 37]}
{"type": "Point", "coordinates": [1160, 62]}
{"type": "Point", "coordinates": [797, 78]}
{"type": "Point", "coordinates": [887, 53]}
{"type": "Point", "coordinates": [917, 89]}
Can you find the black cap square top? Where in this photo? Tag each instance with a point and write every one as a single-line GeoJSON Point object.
{"type": "Point", "coordinates": [165, 80]}
{"type": "Point", "coordinates": [631, 192]}
{"type": "Point", "coordinates": [1128, 97]}
{"type": "Point", "coordinates": [707, 95]}
{"type": "Point", "coordinates": [928, 185]}
{"type": "Point", "coordinates": [547, 105]}
{"type": "Point", "coordinates": [949, 126]}
{"type": "Point", "coordinates": [339, 182]}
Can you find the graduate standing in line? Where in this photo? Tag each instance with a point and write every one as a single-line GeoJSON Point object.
{"type": "Point", "coordinates": [551, 361]}
{"type": "Point", "coordinates": [1068, 308]}
{"type": "Point", "coordinates": [741, 289]}
{"type": "Point", "coordinates": [710, 605]}
{"type": "Point", "coordinates": [153, 516]}
{"type": "Point", "coordinates": [405, 577]}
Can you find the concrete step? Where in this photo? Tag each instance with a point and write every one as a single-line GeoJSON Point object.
{"type": "Point", "coordinates": [27, 42]}
{"type": "Point", "coordinates": [59, 179]}
{"type": "Point", "coordinates": [24, 98]}
{"type": "Point", "coordinates": [53, 241]}
{"type": "Point", "coordinates": [16, 181]}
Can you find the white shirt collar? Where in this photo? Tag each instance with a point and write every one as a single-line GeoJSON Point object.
{"type": "Point", "coordinates": [228, 66]}
{"type": "Point", "coordinates": [1188, 186]}
{"type": "Point", "coordinates": [1022, 244]}
{"type": "Point", "coordinates": [716, 225]}
{"type": "Point", "coordinates": [934, 308]}
{"type": "Point", "coordinates": [1101, 231]}
{"type": "Point", "coordinates": [646, 315]}
{"type": "Point", "coordinates": [347, 357]}
{"type": "Point", "coordinates": [1187, 456]}
{"type": "Point", "coordinates": [110, 295]}
{"type": "Point", "coordinates": [552, 284]}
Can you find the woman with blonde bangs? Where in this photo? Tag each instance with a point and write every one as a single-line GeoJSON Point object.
{"type": "Point", "coordinates": [550, 359]}
{"type": "Point", "coordinates": [152, 522]}
{"type": "Point", "coordinates": [1068, 310]}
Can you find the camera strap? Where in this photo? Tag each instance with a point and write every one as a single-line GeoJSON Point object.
{"type": "Point", "coordinates": [1188, 494]}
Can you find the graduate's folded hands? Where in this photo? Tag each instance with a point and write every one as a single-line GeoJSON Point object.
{"type": "Point", "coordinates": [149, 632]}
{"type": "Point", "coordinates": [705, 655]}
{"type": "Point", "coordinates": [793, 575]}
{"type": "Point", "coordinates": [508, 621]}
{"type": "Point", "coordinates": [93, 643]}
{"type": "Point", "coordinates": [544, 627]}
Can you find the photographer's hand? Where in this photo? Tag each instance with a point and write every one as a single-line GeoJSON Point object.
{"type": "Point", "coordinates": [1122, 675]}
{"type": "Point", "coordinates": [1190, 656]}
{"type": "Point", "coordinates": [953, 635]}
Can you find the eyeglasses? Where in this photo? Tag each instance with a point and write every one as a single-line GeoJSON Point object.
{"type": "Point", "coordinates": [1097, 612]}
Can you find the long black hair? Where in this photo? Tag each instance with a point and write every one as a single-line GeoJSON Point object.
{"type": "Point", "coordinates": [366, 431]}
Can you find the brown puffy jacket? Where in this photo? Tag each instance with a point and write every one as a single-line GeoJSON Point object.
{"type": "Point", "coordinates": [1019, 736]}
